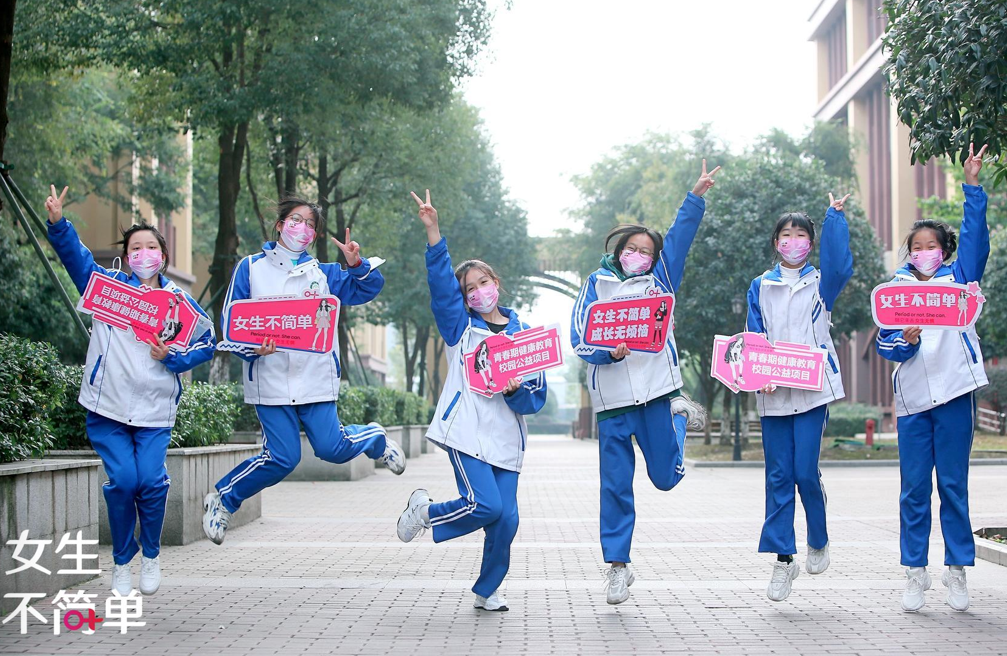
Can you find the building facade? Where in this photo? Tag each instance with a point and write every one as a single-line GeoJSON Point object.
{"type": "Point", "coordinates": [851, 90]}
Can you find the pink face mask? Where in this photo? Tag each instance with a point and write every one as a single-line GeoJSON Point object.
{"type": "Point", "coordinates": [297, 235]}
{"type": "Point", "coordinates": [927, 262]}
{"type": "Point", "coordinates": [146, 262]}
{"type": "Point", "coordinates": [793, 250]}
{"type": "Point", "coordinates": [483, 299]}
{"type": "Point", "coordinates": [633, 263]}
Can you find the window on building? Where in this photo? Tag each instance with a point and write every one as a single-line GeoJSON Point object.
{"type": "Point", "coordinates": [835, 40]}
{"type": "Point", "coordinates": [879, 165]}
{"type": "Point", "coordinates": [877, 21]}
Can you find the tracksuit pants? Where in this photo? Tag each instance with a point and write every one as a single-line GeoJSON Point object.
{"type": "Point", "coordinates": [940, 437]}
{"type": "Point", "coordinates": [488, 501]}
{"type": "Point", "coordinates": [661, 436]}
{"type": "Point", "coordinates": [792, 445]}
{"type": "Point", "coordinates": [137, 483]}
{"type": "Point", "coordinates": [281, 447]}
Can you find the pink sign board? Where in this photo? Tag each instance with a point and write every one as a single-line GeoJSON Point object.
{"type": "Point", "coordinates": [927, 304]}
{"type": "Point", "coordinates": [296, 323]}
{"type": "Point", "coordinates": [642, 322]}
{"type": "Point", "coordinates": [501, 357]}
{"type": "Point", "coordinates": [145, 311]}
{"type": "Point", "coordinates": [747, 362]}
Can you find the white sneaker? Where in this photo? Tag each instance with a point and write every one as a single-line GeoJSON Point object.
{"type": "Point", "coordinates": [150, 575]}
{"type": "Point", "coordinates": [783, 577]}
{"type": "Point", "coordinates": [818, 559]}
{"type": "Point", "coordinates": [695, 414]}
{"type": "Point", "coordinates": [216, 517]}
{"type": "Point", "coordinates": [492, 602]}
{"type": "Point", "coordinates": [619, 580]}
{"type": "Point", "coordinates": [394, 458]}
{"type": "Point", "coordinates": [411, 521]}
{"type": "Point", "coordinates": [958, 589]}
{"type": "Point", "coordinates": [122, 579]}
{"type": "Point", "coordinates": [918, 582]}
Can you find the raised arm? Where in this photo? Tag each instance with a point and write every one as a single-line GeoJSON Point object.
{"type": "Point", "coordinates": [755, 323]}
{"type": "Point", "coordinates": [446, 299]}
{"type": "Point", "coordinates": [671, 263]}
{"type": "Point", "coordinates": [974, 238]}
{"type": "Point", "coordinates": [74, 255]}
{"type": "Point", "coordinates": [835, 255]}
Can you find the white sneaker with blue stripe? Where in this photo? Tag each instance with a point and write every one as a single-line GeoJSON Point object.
{"type": "Point", "coordinates": [216, 517]}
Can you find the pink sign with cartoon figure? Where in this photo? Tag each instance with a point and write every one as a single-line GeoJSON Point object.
{"type": "Point", "coordinates": [296, 323]}
{"type": "Point", "coordinates": [147, 312]}
{"type": "Point", "coordinates": [747, 362]}
{"type": "Point", "coordinates": [642, 322]}
{"type": "Point", "coordinates": [501, 357]}
{"type": "Point", "coordinates": [908, 303]}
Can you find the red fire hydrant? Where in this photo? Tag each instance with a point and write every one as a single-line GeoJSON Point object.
{"type": "Point", "coordinates": [869, 429]}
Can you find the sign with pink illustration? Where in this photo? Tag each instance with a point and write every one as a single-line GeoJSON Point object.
{"type": "Point", "coordinates": [908, 303]}
{"type": "Point", "coordinates": [296, 323]}
{"type": "Point", "coordinates": [147, 312]}
{"type": "Point", "coordinates": [747, 362]}
{"type": "Point", "coordinates": [501, 357]}
{"type": "Point", "coordinates": [642, 322]}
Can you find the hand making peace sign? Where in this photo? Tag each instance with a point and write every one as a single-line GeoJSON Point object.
{"type": "Point", "coordinates": [973, 164]}
{"type": "Point", "coordinates": [428, 215]}
{"type": "Point", "coordinates": [54, 204]}
{"type": "Point", "coordinates": [837, 204]}
{"type": "Point", "coordinates": [705, 181]}
{"type": "Point", "coordinates": [351, 250]}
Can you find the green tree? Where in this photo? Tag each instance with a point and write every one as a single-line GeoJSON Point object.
{"type": "Point", "coordinates": [947, 71]}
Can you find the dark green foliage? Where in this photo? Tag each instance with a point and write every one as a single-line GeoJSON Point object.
{"type": "Point", "coordinates": [847, 419]}
{"type": "Point", "coordinates": [32, 384]}
{"type": "Point", "coordinates": [205, 416]}
{"type": "Point", "coordinates": [69, 420]}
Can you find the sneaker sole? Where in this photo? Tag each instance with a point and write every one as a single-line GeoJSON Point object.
{"type": "Point", "coordinates": [502, 609]}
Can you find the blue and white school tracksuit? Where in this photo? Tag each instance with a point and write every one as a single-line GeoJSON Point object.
{"type": "Point", "coordinates": [484, 437]}
{"type": "Point", "coordinates": [640, 383]}
{"type": "Point", "coordinates": [131, 400]}
{"type": "Point", "coordinates": [793, 420]}
{"type": "Point", "coordinates": [934, 386]}
{"type": "Point", "coordinates": [293, 389]}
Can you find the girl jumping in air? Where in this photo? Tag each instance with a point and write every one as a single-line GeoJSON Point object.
{"type": "Point", "coordinates": [484, 437]}
{"type": "Point", "coordinates": [934, 384]}
{"type": "Point", "coordinates": [638, 393]}
{"type": "Point", "coordinates": [131, 390]}
{"type": "Point", "coordinates": [793, 302]}
{"type": "Point", "coordinates": [294, 389]}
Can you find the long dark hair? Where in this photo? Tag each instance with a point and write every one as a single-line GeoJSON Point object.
{"type": "Point", "coordinates": [128, 233]}
{"type": "Point", "coordinates": [622, 234]}
{"type": "Point", "coordinates": [945, 237]}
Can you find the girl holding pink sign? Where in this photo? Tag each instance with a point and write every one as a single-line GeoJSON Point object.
{"type": "Point", "coordinates": [638, 393]}
{"type": "Point", "coordinates": [131, 390]}
{"type": "Point", "coordinates": [295, 389]}
{"type": "Point", "coordinates": [934, 386]}
{"type": "Point", "coordinates": [793, 302]}
{"type": "Point", "coordinates": [484, 436]}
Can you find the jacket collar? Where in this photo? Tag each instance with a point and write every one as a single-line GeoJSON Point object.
{"type": "Point", "coordinates": [513, 323]}
{"type": "Point", "coordinates": [280, 260]}
{"type": "Point", "coordinates": [775, 275]}
{"type": "Point", "coordinates": [906, 271]}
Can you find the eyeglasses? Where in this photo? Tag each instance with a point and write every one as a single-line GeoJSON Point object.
{"type": "Point", "coordinates": [646, 252]}
{"type": "Point", "coordinates": [297, 218]}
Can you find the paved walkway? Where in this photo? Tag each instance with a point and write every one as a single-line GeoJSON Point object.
{"type": "Point", "coordinates": [322, 572]}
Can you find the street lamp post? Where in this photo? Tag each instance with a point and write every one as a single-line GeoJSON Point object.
{"type": "Point", "coordinates": [737, 307]}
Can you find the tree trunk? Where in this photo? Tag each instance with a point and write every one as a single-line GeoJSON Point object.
{"type": "Point", "coordinates": [409, 355]}
{"type": "Point", "coordinates": [438, 384]}
{"type": "Point", "coordinates": [322, 242]}
{"type": "Point", "coordinates": [727, 421]}
{"type": "Point", "coordinates": [231, 140]}
{"type": "Point", "coordinates": [6, 53]}
{"type": "Point", "coordinates": [422, 338]}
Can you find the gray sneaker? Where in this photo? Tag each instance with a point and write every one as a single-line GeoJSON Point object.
{"type": "Point", "coordinates": [695, 414]}
{"type": "Point", "coordinates": [618, 581]}
{"type": "Point", "coordinates": [215, 517]}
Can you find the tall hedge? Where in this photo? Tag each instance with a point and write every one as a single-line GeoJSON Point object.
{"type": "Point", "coordinates": [32, 382]}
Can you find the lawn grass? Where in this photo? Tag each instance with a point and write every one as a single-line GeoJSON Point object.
{"type": "Point", "coordinates": [985, 445]}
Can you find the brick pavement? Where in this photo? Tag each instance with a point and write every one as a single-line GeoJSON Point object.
{"type": "Point", "coordinates": [322, 572]}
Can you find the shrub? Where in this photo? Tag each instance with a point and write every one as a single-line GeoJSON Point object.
{"type": "Point", "coordinates": [847, 419]}
{"type": "Point", "coordinates": [996, 392]}
{"type": "Point", "coordinates": [32, 382]}
{"type": "Point", "coordinates": [68, 421]}
{"type": "Point", "coordinates": [246, 419]}
{"type": "Point", "coordinates": [205, 416]}
{"type": "Point", "coordinates": [352, 404]}
{"type": "Point", "coordinates": [388, 407]}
